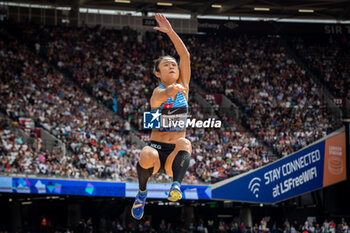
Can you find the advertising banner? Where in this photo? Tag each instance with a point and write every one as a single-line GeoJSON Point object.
{"type": "Point", "coordinates": [335, 160]}
{"type": "Point", "coordinates": [67, 187]}
{"type": "Point", "coordinates": [189, 192]}
{"type": "Point", "coordinates": [272, 27]}
{"type": "Point", "coordinates": [314, 167]}
{"type": "Point", "coordinates": [95, 188]}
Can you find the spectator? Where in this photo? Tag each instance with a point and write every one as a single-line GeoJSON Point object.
{"type": "Point", "coordinates": [328, 60]}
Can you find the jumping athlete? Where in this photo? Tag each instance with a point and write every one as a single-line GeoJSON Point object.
{"type": "Point", "coordinates": [169, 150]}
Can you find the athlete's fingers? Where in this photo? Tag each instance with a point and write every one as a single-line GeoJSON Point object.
{"type": "Point", "coordinates": [180, 88]}
{"type": "Point", "coordinates": [162, 17]}
{"type": "Point", "coordinates": [158, 19]}
{"type": "Point", "coordinates": [183, 90]}
{"type": "Point", "coordinates": [178, 85]}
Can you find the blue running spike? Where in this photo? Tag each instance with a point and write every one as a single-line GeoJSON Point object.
{"type": "Point", "coordinates": [139, 205]}
{"type": "Point", "coordinates": [175, 192]}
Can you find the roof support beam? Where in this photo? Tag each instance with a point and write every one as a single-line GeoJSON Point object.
{"type": "Point", "coordinates": [235, 5]}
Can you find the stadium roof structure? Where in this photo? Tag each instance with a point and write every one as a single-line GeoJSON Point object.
{"type": "Point", "coordinates": [281, 9]}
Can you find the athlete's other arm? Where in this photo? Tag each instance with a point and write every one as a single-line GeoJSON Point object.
{"type": "Point", "coordinates": [185, 64]}
{"type": "Point", "coordinates": [160, 95]}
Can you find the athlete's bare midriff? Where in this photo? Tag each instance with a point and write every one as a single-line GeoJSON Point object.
{"type": "Point", "coordinates": [166, 137]}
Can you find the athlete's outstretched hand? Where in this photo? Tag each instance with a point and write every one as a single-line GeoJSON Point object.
{"type": "Point", "coordinates": [173, 89]}
{"type": "Point", "coordinates": [164, 25]}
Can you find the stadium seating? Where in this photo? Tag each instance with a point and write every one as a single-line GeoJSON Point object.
{"type": "Point", "coordinates": [280, 102]}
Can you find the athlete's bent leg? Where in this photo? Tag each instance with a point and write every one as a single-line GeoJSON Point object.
{"type": "Point", "coordinates": [148, 163]}
{"type": "Point", "coordinates": [179, 160]}
{"type": "Point", "coordinates": [180, 165]}
{"type": "Point", "coordinates": [143, 175]}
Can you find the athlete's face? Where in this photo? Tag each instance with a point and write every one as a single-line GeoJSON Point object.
{"type": "Point", "coordinates": [168, 70]}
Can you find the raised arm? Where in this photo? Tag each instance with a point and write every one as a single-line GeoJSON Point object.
{"type": "Point", "coordinates": [185, 64]}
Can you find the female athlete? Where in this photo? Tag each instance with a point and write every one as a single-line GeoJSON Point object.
{"type": "Point", "coordinates": [169, 150]}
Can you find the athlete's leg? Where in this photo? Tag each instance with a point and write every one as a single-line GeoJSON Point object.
{"type": "Point", "coordinates": [149, 163]}
{"type": "Point", "coordinates": [176, 166]}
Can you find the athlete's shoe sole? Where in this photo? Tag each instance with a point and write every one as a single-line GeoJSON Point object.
{"type": "Point", "coordinates": [175, 195]}
{"type": "Point", "coordinates": [132, 214]}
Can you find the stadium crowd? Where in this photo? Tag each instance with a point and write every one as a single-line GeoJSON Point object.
{"type": "Point", "coordinates": [281, 102]}
{"type": "Point", "coordinates": [32, 89]}
{"type": "Point", "coordinates": [216, 225]}
{"type": "Point", "coordinates": [200, 225]}
{"type": "Point", "coordinates": [101, 147]}
{"type": "Point", "coordinates": [235, 150]}
{"type": "Point", "coordinates": [328, 58]}
{"type": "Point", "coordinates": [16, 155]}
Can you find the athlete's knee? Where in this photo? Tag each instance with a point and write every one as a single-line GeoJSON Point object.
{"type": "Point", "coordinates": [184, 144]}
{"type": "Point", "coordinates": [148, 157]}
